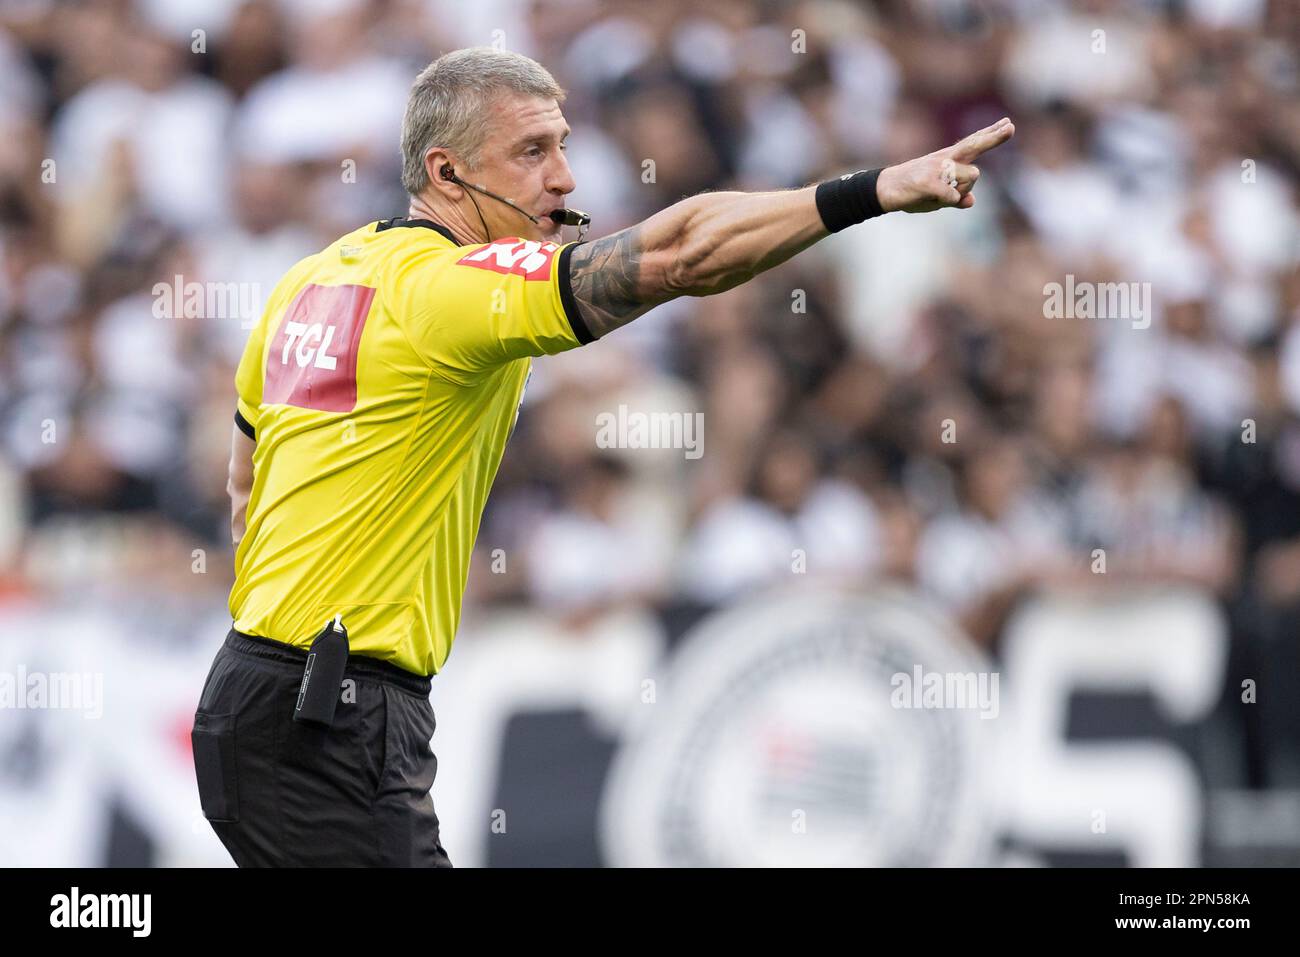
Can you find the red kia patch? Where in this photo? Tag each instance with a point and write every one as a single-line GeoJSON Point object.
{"type": "Point", "coordinates": [513, 256]}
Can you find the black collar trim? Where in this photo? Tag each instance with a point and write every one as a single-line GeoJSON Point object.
{"type": "Point", "coordinates": [426, 223]}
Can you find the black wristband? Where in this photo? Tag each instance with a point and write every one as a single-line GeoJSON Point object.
{"type": "Point", "coordinates": [849, 199]}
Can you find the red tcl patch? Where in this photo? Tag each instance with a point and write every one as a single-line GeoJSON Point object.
{"type": "Point", "coordinates": [312, 362]}
{"type": "Point", "coordinates": [520, 257]}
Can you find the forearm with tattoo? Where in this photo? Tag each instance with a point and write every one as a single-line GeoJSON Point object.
{"type": "Point", "coordinates": [605, 276]}
{"type": "Point", "coordinates": [700, 246]}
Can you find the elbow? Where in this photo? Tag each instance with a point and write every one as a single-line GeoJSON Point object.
{"type": "Point", "coordinates": [700, 266]}
{"type": "Point", "coordinates": [691, 256]}
{"type": "Point", "coordinates": [710, 254]}
{"type": "Point", "coordinates": [681, 270]}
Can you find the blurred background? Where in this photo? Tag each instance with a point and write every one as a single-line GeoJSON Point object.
{"type": "Point", "coordinates": [907, 465]}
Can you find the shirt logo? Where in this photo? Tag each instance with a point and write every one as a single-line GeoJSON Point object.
{"type": "Point", "coordinates": [312, 362]}
{"type": "Point", "coordinates": [517, 257]}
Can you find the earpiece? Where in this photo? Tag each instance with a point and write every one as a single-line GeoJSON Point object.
{"type": "Point", "coordinates": [448, 172]}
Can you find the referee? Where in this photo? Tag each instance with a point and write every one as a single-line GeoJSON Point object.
{"type": "Point", "coordinates": [375, 398]}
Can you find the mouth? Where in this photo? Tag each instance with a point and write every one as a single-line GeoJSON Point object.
{"type": "Point", "coordinates": [549, 226]}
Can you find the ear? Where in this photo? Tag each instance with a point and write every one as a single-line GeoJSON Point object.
{"type": "Point", "coordinates": [436, 159]}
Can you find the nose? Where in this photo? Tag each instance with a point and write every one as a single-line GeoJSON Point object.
{"type": "Point", "coordinates": [559, 176]}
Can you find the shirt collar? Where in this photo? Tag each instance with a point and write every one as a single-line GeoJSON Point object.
{"type": "Point", "coordinates": [426, 223]}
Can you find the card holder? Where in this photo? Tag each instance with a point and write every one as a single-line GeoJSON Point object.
{"type": "Point", "coordinates": [322, 677]}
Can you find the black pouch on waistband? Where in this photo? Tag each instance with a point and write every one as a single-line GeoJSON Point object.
{"type": "Point", "coordinates": [318, 695]}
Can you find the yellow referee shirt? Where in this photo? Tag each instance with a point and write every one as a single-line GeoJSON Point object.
{"type": "Point", "coordinates": [381, 384]}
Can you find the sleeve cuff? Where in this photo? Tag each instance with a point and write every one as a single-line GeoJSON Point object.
{"type": "Point", "coordinates": [580, 330]}
{"type": "Point", "coordinates": [245, 426]}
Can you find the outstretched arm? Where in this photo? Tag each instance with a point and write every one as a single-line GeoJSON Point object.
{"type": "Point", "coordinates": [709, 243]}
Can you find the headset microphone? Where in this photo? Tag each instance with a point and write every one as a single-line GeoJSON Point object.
{"type": "Point", "coordinates": [562, 217]}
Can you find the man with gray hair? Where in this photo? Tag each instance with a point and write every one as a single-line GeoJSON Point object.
{"type": "Point", "coordinates": [375, 398]}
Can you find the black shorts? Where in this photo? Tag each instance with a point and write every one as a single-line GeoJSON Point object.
{"type": "Point", "coordinates": [281, 793]}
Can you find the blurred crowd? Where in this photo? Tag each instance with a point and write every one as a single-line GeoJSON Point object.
{"type": "Point", "coordinates": [895, 404]}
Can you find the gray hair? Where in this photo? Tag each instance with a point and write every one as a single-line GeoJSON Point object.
{"type": "Point", "coordinates": [448, 101]}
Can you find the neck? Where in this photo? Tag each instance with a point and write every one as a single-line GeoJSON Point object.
{"type": "Point", "coordinates": [467, 232]}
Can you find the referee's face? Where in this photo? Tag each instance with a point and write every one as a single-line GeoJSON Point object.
{"type": "Point", "coordinates": [523, 159]}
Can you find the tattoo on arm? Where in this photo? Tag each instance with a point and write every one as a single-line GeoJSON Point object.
{"type": "Point", "coordinates": [605, 276]}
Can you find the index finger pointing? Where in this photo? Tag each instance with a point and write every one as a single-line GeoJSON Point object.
{"type": "Point", "coordinates": [980, 142]}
